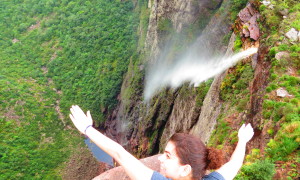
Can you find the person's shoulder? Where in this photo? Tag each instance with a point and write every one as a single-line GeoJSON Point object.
{"type": "Point", "coordinates": [157, 176]}
{"type": "Point", "coordinates": [213, 176]}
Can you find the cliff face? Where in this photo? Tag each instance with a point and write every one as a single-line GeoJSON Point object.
{"type": "Point", "coordinates": [144, 127]}
{"type": "Point", "coordinates": [261, 89]}
{"type": "Point", "coordinates": [212, 104]}
{"type": "Point", "coordinates": [181, 13]}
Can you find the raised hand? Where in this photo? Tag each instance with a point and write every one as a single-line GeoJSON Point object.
{"type": "Point", "coordinates": [81, 120]}
{"type": "Point", "coordinates": [133, 167]}
{"type": "Point", "coordinates": [245, 133]}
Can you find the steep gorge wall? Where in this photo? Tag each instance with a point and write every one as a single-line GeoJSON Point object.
{"type": "Point", "coordinates": [181, 13]}
{"type": "Point", "coordinates": [144, 127]}
{"type": "Point", "coordinates": [212, 103]}
{"type": "Point", "coordinates": [261, 90]}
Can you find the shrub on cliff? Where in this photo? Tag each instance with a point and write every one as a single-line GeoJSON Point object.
{"type": "Point", "coordinates": [285, 142]}
{"type": "Point", "coordinates": [260, 170]}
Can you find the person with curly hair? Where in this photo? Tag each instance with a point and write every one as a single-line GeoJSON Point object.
{"type": "Point", "coordinates": [185, 156]}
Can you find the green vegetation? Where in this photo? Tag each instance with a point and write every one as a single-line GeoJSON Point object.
{"type": "Point", "coordinates": [285, 142]}
{"type": "Point", "coordinates": [237, 44]}
{"type": "Point", "coordinates": [164, 25]}
{"type": "Point", "coordinates": [54, 54]}
{"type": "Point", "coordinates": [88, 47]}
{"type": "Point", "coordinates": [259, 170]}
{"type": "Point", "coordinates": [132, 89]}
{"type": "Point", "coordinates": [226, 38]}
{"type": "Point", "coordinates": [235, 85]}
{"type": "Point", "coordinates": [288, 109]}
{"type": "Point", "coordinates": [202, 91]}
{"type": "Point", "coordinates": [279, 118]}
{"type": "Point", "coordinates": [273, 16]}
{"type": "Point", "coordinates": [97, 47]}
{"type": "Point", "coordinates": [284, 75]}
{"type": "Point", "coordinates": [255, 168]}
{"type": "Point", "coordinates": [144, 21]}
{"type": "Point", "coordinates": [220, 134]}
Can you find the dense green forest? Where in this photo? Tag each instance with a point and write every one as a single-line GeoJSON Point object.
{"type": "Point", "coordinates": [55, 54]}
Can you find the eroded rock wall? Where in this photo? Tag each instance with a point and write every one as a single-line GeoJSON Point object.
{"type": "Point", "coordinates": [144, 127]}
{"type": "Point", "coordinates": [212, 103]}
{"type": "Point", "coordinates": [181, 13]}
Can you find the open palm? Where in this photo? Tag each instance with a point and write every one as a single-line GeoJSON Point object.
{"type": "Point", "coordinates": [80, 119]}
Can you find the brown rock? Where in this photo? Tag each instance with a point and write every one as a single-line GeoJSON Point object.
{"type": "Point", "coordinates": [282, 55]}
{"type": "Point", "coordinates": [292, 34]}
{"type": "Point", "coordinates": [281, 92]}
{"type": "Point", "coordinates": [246, 31]}
{"type": "Point", "coordinates": [118, 173]}
{"type": "Point", "coordinates": [284, 12]}
{"type": "Point", "coordinates": [245, 14]}
{"type": "Point", "coordinates": [254, 32]}
{"type": "Point", "coordinates": [248, 17]}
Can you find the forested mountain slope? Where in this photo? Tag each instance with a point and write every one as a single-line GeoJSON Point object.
{"type": "Point", "coordinates": [55, 54]}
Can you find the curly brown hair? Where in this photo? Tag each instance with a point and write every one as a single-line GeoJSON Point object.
{"type": "Point", "coordinates": [191, 150]}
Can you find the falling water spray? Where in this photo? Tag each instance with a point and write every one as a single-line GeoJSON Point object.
{"type": "Point", "coordinates": [189, 69]}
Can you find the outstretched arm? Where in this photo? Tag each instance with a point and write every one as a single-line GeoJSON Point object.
{"type": "Point", "coordinates": [133, 167]}
{"type": "Point", "coordinates": [231, 168]}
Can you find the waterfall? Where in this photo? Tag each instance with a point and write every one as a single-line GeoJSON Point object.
{"type": "Point", "coordinates": [192, 67]}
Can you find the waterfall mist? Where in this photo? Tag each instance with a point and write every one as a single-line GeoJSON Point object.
{"type": "Point", "coordinates": [194, 67]}
{"type": "Point", "coordinates": [198, 63]}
